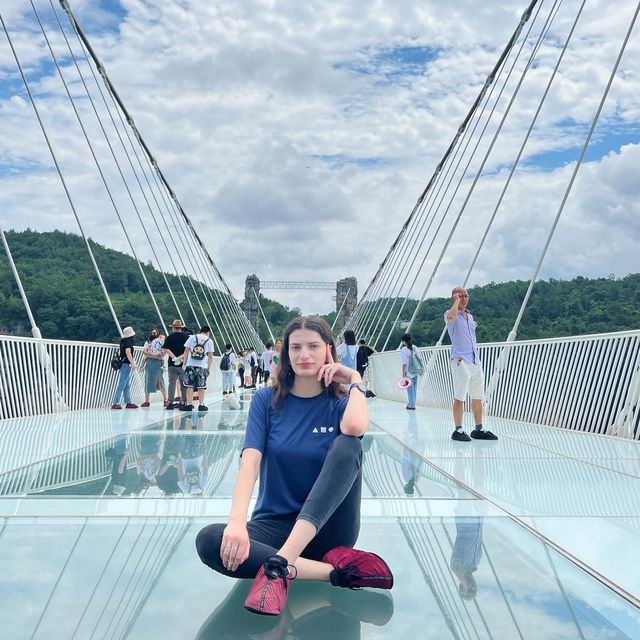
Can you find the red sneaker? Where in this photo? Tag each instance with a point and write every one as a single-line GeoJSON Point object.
{"type": "Point", "coordinates": [355, 569]}
{"type": "Point", "coordinates": [131, 405]}
{"type": "Point", "coordinates": [116, 406]}
{"type": "Point", "coordinates": [145, 404]}
{"type": "Point", "coordinates": [268, 593]}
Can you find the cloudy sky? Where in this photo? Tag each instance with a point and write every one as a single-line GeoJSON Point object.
{"type": "Point", "coordinates": [298, 136]}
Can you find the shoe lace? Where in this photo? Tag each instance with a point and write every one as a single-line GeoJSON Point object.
{"type": "Point", "coordinates": [277, 571]}
{"type": "Point", "coordinates": [346, 575]}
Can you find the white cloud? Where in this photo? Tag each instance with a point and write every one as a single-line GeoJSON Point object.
{"type": "Point", "coordinates": [298, 136]}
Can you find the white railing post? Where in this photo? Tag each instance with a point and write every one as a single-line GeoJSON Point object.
{"type": "Point", "coordinates": [500, 366]}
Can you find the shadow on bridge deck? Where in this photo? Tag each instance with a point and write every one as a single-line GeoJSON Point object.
{"type": "Point", "coordinates": [486, 539]}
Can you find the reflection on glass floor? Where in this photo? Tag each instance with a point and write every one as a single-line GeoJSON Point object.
{"type": "Point", "coordinates": [455, 578]}
{"type": "Point", "coordinates": [187, 457]}
{"type": "Point", "coordinates": [439, 512]}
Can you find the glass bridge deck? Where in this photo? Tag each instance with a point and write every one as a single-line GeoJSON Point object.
{"type": "Point", "coordinates": [534, 536]}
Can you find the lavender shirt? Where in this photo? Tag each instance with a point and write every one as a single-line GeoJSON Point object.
{"type": "Point", "coordinates": [462, 332]}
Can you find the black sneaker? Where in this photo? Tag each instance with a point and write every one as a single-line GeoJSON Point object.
{"type": "Point", "coordinates": [483, 434]}
{"type": "Point", "coordinates": [409, 487]}
{"type": "Point", "coordinates": [460, 436]}
{"type": "Point", "coordinates": [202, 407]}
{"type": "Point", "coordinates": [170, 406]}
{"type": "Point", "coordinates": [186, 407]}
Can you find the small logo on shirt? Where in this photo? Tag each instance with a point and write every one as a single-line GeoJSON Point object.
{"type": "Point", "coordinates": [322, 430]}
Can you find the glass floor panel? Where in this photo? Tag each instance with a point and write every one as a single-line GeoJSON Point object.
{"type": "Point", "coordinates": [455, 577]}
{"type": "Point", "coordinates": [192, 461]}
{"type": "Point", "coordinates": [123, 563]}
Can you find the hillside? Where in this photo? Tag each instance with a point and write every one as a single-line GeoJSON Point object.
{"type": "Point", "coordinates": [67, 300]}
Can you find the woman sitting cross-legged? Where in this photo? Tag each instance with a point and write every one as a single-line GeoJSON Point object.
{"type": "Point", "coordinates": [303, 440]}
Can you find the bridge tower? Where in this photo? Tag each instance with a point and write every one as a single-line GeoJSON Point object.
{"type": "Point", "coordinates": [346, 296]}
{"type": "Point", "coordinates": [250, 303]}
{"type": "Point", "coordinates": [346, 301]}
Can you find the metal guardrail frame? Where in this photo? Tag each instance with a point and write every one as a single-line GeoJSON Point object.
{"type": "Point", "coordinates": [38, 377]}
{"type": "Point", "coordinates": [586, 383]}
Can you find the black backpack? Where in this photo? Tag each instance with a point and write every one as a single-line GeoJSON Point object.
{"type": "Point", "coordinates": [198, 352]}
{"type": "Point", "coordinates": [116, 361]}
{"type": "Point", "coordinates": [225, 362]}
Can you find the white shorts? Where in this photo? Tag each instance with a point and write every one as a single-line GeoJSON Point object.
{"type": "Point", "coordinates": [467, 379]}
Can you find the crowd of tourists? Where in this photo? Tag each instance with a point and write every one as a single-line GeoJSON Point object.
{"type": "Point", "coordinates": [187, 359]}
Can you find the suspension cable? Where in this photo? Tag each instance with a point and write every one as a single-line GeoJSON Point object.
{"type": "Point", "coordinates": [583, 151]}
{"type": "Point", "coordinates": [475, 181]}
{"type": "Point", "coordinates": [461, 129]}
{"type": "Point", "coordinates": [122, 144]}
{"type": "Point", "coordinates": [273, 340]}
{"type": "Point", "coordinates": [97, 163]}
{"type": "Point", "coordinates": [115, 158]}
{"type": "Point", "coordinates": [62, 180]}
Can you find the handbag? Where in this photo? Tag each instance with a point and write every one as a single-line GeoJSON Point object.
{"type": "Point", "coordinates": [116, 361]}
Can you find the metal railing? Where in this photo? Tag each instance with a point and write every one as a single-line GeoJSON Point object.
{"type": "Point", "coordinates": [47, 376]}
{"type": "Point", "coordinates": [587, 383]}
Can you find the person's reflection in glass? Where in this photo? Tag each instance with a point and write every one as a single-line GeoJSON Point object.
{"type": "Point", "coordinates": [411, 464]}
{"type": "Point", "coordinates": [148, 461]}
{"type": "Point", "coordinates": [167, 476]}
{"type": "Point", "coordinates": [193, 467]}
{"type": "Point", "coordinates": [118, 454]}
{"type": "Point", "coordinates": [313, 611]}
{"type": "Point", "coordinates": [231, 422]}
{"type": "Point", "coordinates": [466, 554]}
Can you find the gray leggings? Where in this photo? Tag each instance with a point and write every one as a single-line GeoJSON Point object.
{"type": "Point", "coordinates": [333, 506]}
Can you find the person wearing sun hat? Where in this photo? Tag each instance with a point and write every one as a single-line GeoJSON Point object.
{"type": "Point", "coordinates": [123, 389]}
{"type": "Point", "coordinates": [174, 348]}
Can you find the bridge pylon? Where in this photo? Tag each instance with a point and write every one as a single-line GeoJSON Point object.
{"type": "Point", "coordinates": [346, 296]}
{"type": "Point", "coordinates": [250, 304]}
{"type": "Point", "coordinates": [346, 301]}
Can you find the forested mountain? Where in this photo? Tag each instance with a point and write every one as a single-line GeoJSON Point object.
{"type": "Point", "coordinates": [68, 303]}
{"type": "Point", "coordinates": [556, 308]}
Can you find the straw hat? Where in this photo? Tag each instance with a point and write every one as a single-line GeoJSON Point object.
{"type": "Point", "coordinates": [128, 332]}
{"type": "Point", "coordinates": [177, 324]}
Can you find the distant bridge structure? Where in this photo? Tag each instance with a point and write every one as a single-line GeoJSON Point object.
{"type": "Point", "coordinates": [346, 296]}
{"type": "Point", "coordinates": [296, 284]}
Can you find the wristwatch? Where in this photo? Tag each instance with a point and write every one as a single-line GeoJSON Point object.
{"type": "Point", "coordinates": [359, 386]}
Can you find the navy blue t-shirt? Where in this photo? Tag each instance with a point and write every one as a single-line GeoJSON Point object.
{"type": "Point", "coordinates": [294, 442]}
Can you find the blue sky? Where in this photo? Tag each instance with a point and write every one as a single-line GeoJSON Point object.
{"type": "Point", "coordinates": [291, 125]}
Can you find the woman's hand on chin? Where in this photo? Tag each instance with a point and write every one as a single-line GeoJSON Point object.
{"type": "Point", "coordinates": [333, 371]}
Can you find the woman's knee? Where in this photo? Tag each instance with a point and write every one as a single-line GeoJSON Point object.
{"type": "Point", "coordinates": [208, 542]}
{"type": "Point", "coordinates": [346, 448]}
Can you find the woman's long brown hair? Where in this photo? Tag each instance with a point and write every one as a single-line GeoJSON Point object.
{"type": "Point", "coordinates": [286, 376]}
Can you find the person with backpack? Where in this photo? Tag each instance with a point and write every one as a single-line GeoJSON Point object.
{"type": "Point", "coordinates": [348, 349]}
{"type": "Point", "coordinates": [362, 356]}
{"type": "Point", "coordinates": [228, 369]}
{"type": "Point", "coordinates": [411, 369]}
{"type": "Point", "coordinates": [127, 368]}
{"type": "Point", "coordinates": [466, 368]}
{"type": "Point", "coordinates": [198, 358]}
